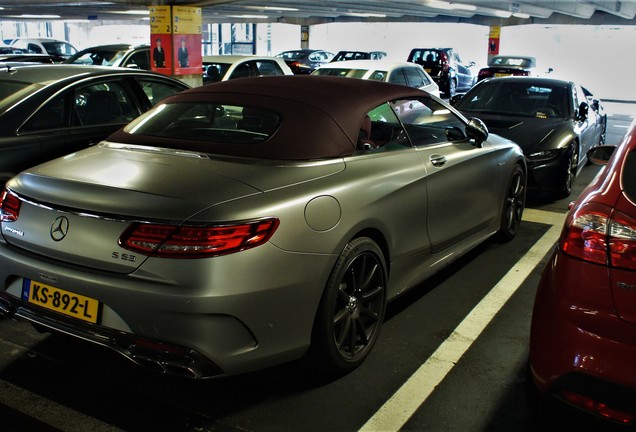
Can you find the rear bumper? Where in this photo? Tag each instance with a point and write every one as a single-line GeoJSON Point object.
{"type": "Point", "coordinates": [163, 357]}
{"type": "Point", "coordinates": [577, 342]}
{"type": "Point", "coordinates": [192, 318]}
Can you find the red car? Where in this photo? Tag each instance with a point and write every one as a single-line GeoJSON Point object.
{"type": "Point", "coordinates": [583, 337]}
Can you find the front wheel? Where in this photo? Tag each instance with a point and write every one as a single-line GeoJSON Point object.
{"type": "Point", "coordinates": [571, 169]}
{"type": "Point", "coordinates": [352, 308]}
{"type": "Point", "coordinates": [513, 205]}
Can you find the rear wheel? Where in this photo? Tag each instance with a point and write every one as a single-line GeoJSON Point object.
{"type": "Point", "coordinates": [352, 308]}
{"type": "Point", "coordinates": [513, 205]}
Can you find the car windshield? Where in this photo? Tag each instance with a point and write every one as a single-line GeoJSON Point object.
{"type": "Point", "coordinates": [341, 72]}
{"type": "Point", "coordinates": [207, 122]}
{"type": "Point", "coordinates": [528, 99]}
{"type": "Point", "coordinates": [98, 57]}
{"type": "Point", "coordinates": [11, 92]}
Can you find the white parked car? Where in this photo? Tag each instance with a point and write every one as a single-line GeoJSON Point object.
{"type": "Point", "coordinates": [226, 67]}
{"type": "Point", "coordinates": [45, 46]}
{"type": "Point", "coordinates": [408, 74]}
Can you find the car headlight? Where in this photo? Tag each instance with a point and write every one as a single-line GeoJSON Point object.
{"type": "Point", "coordinates": [544, 155]}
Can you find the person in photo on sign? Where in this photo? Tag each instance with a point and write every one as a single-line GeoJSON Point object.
{"type": "Point", "coordinates": [182, 54]}
{"type": "Point", "coordinates": [159, 55]}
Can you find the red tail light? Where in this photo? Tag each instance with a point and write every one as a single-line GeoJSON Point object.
{"type": "Point", "coordinates": [9, 207]}
{"type": "Point", "coordinates": [597, 234]}
{"type": "Point", "coordinates": [196, 242]}
{"type": "Point", "coordinates": [484, 73]}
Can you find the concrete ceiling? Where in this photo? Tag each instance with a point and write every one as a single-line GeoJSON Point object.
{"type": "Point", "coordinates": [488, 12]}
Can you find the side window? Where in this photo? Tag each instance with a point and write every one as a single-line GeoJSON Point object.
{"type": "Point", "coordinates": [104, 103]}
{"type": "Point", "coordinates": [34, 48]}
{"type": "Point", "coordinates": [428, 122]}
{"type": "Point", "coordinates": [380, 130]}
{"type": "Point", "coordinates": [156, 91]}
{"type": "Point", "coordinates": [268, 68]}
{"type": "Point", "coordinates": [397, 77]}
{"type": "Point", "coordinates": [378, 75]}
{"type": "Point", "coordinates": [141, 59]}
{"type": "Point", "coordinates": [242, 71]}
{"type": "Point", "coordinates": [52, 116]}
{"type": "Point", "coordinates": [414, 77]}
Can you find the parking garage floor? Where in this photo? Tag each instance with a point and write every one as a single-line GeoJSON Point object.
{"type": "Point", "coordinates": [451, 357]}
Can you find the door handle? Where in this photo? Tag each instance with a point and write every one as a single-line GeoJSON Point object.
{"type": "Point", "coordinates": [437, 160]}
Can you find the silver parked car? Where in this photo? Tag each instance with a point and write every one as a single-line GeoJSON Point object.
{"type": "Point", "coordinates": [250, 222]}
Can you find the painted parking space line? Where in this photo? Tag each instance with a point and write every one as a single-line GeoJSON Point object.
{"type": "Point", "coordinates": [414, 392]}
{"type": "Point", "coordinates": [49, 412]}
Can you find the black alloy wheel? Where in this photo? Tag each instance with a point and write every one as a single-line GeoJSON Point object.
{"type": "Point", "coordinates": [352, 309]}
{"type": "Point", "coordinates": [513, 205]}
{"type": "Point", "coordinates": [571, 166]}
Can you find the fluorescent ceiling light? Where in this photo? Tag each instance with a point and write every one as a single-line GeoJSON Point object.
{"type": "Point", "coordinates": [521, 15]}
{"type": "Point", "coordinates": [366, 15]}
{"type": "Point", "coordinates": [246, 16]}
{"type": "Point", "coordinates": [281, 8]}
{"type": "Point", "coordinates": [131, 12]}
{"type": "Point", "coordinates": [503, 14]}
{"type": "Point", "coordinates": [29, 16]}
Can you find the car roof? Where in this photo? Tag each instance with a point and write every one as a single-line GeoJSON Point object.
{"type": "Point", "coordinates": [46, 74]}
{"type": "Point", "coordinates": [535, 80]}
{"type": "Point", "coordinates": [369, 64]}
{"type": "Point", "coordinates": [231, 58]}
{"type": "Point", "coordinates": [321, 116]}
{"type": "Point", "coordinates": [119, 47]}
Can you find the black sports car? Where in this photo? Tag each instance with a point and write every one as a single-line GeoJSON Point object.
{"type": "Point", "coordinates": [550, 119]}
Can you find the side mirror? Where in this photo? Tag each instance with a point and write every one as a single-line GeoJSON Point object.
{"type": "Point", "coordinates": [550, 70]}
{"type": "Point", "coordinates": [471, 64]}
{"type": "Point", "coordinates": [601, 155]}
{"type": "Point", "coordinates": [584, 109]}
{"type": "Point", "coordinates": [477, 130]}
{"type": "Point", "coordinates": [454, 99]}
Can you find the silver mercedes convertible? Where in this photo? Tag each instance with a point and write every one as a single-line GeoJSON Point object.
{"type": "Point", "coordinates": [251, 222]}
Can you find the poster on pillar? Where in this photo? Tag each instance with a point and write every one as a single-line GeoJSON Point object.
{"type": "Point", "coordinates": [186, 40]}
{"type": "Point", "coordinates": [493, 40]}
{"type": "Point", "coordinates": [161, 39]}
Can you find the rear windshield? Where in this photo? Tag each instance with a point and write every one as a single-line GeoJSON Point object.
{"type": "Point", "coordinates": [629, 176]}
{"type": "Point", "coordinates": [292, 55]}
{"type": "Point", "coordinates": [512, 61]}
{"type": "Point", "coordinates": [428, 57]}
{"type": "Point", "coordinates": [207, 122]}
{"type": "Point", "coordinates": [12, 91]}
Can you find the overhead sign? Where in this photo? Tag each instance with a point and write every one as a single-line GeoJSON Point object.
{"type": "Point", "coordinates": [186, 20]}
{"type": "Point", "coordinates": [160, 20]}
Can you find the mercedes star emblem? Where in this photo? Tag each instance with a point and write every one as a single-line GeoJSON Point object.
{"type": "Point", "coordinates": [59, 228]}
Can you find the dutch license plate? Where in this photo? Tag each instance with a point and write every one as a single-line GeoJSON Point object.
{"type": "Point", "coordinates": [502, 74]}
{"type": "Point", "coordinates": [61, 301]}
{"type": "Point", "coordinates": [428, 70]}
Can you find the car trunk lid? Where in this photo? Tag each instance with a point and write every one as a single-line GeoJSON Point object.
{"type": "Point", "coordinates": [75, 209]}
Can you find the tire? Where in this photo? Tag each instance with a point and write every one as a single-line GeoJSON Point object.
{"type": "Point", "coordinates": [352, 308]}
{"type": "Point", "coordinates": [571, 169]}
{"type": "Point", "coordinates": [513, 205]}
